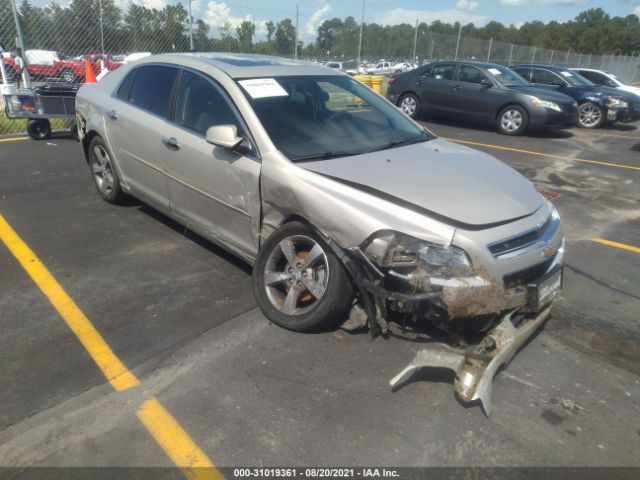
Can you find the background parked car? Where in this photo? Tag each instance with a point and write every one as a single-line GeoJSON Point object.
{"type": "Point", "coordinates": [607, 79]}
{"type": "Point", "coordinates": [386, 68]}
{"type": "Point", "coordinates": [349, 67]}
{"type": "Point", "coordinates": [482, 92]}
{"type": "Point", "coordinates": [42, 64]}
{"type": "Point", "coordinates": [597, 104]}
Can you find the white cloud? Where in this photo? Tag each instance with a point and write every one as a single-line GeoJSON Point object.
{"type": "Point", "coordinates": [400, 15]}
{"type": "Point", "coordinates": [519, 3]}
{"type": "Point", "coordinates": [468, 5]}
{"type": "Point", "coordinates": [218, 14]}
{"type": "Point", "coordinates": [637, 11]}
{"type": "Point", "coordinates": [519, 24]}
{"type": "Point", "coordinates": [315, 20]}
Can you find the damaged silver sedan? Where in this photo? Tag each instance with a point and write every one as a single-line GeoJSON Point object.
{"type": "Point", "coordinates": [350, 212]}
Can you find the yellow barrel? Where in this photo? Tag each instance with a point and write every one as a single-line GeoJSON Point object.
{"type": "Point", "coordinates": [365, 79]}
{"type": "Point", "coordinates": [376, 83]}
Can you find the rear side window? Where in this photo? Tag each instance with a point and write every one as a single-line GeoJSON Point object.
{"type": "Point", "coordinates": [200, 105]}
{"type": "Point", "coordinates": [523, 72]}
{"type": "Point", "coordinates": [125, 86]}
{"type": "Point", "coordinates": [443, 72]}
{"type": "Point", "coordinates": [152, 87]}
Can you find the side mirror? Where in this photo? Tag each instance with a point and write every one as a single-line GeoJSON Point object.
{"type": "Point", "coordinates": [225, 136]}
{"type": "Point", "coordinates": [485, 82]}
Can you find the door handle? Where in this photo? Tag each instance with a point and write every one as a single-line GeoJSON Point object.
{"type": "Point", "coordinates": [112, 115]}
{"type": "Point", "coordinates": [456, 87]}
{"type": "Point", "coordinates": [171, 143]}
{"type": "Point", "coordinates": [418, 82]}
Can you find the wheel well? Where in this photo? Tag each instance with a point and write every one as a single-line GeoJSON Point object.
{"type": "Point", "coordinates": [510, 105]}
{"type": "Point", "coordinates": [86, 141]}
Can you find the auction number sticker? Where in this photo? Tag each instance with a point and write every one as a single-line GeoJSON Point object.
{"type": "Point", "coordinates": [567, 74]}
{"type": "Point", "coordinates": [495, 71]}
{"type": "Point", "coordinates": [263, 88]}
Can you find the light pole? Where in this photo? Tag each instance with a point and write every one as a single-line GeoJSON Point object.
{"type": "Point", "coordinates": [26, 79]}
{"type": "Point", "coordinates": [458, 42]}
{"type": "Point", "coordinates": [101, 27]}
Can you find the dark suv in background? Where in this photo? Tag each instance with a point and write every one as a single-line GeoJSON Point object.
{"type": "Point", "coordinates": [597, 104]}
{"type": "Point", "coordinates": [481, 92]}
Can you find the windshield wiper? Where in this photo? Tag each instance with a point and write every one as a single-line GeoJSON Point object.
{"type": "Point", "coordinates": [324, 156]}
{"type": "Point", "coordinates": [400, 143]}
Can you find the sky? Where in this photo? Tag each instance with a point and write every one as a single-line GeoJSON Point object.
{"type": "Point", "coordinates": [314, 12]}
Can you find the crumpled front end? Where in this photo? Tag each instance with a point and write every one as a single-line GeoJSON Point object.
{"type": "Point", "coordinates": [482, 297]}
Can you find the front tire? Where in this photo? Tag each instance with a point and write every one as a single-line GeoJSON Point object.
{"type": "Point", "coordinates": [68, 76]}
{"type": "Point", "coordinates": [590, 115]}
{"type": "Point", "coordinates": [513, 120]}
{"type": "Point", "coordinates": [299, 283]}
{"type": "Point", "coordinates": [103, 172]}
{"type": "Point", "coordinates": [409, 104]}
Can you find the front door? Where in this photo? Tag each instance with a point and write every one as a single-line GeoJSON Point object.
{"type": "Point", "coordinates": [210, 186]}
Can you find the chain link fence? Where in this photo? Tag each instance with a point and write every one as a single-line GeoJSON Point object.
{"type": "Point", "coordinates": [59, 35]}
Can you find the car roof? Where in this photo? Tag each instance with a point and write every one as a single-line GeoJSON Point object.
{"type": "Point", "coordinates": [238, 65]}
{"type": "Point", "coordinates": [477, 63]}
{"type": "Point", "coordinates": [553, 68]}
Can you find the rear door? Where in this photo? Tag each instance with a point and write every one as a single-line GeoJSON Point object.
{"type": "Point", "coordinates": [135, 128]}
{"type": "Point", "coordinates": [210, 186]}
{"type": "Point", "coordinates": [541, 77]}
{"type": "Point", "coordinates": [436, 87]}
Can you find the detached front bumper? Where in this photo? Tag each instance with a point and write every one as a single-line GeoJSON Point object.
{"type": "Point", "coordinates": [624, 115]}
{"type": "Point", "coordinates": [476, 366]}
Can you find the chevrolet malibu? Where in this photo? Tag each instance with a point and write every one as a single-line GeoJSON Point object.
{"type": "Point", "coordinates": [349, 211]}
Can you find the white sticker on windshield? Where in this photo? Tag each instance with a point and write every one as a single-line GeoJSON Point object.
{"type": "Point", "coordinates": [263, 87]}
{"type": "Point", "coordinates": [566, 74]}
{"type": "Point", "coordinates": [495, 71]}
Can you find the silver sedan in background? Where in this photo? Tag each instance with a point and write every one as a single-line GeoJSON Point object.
{"type": "Point", "coordinates": [349, 211]}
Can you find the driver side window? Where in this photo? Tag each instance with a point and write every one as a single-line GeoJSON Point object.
{"type": "Point", "coordinates": [200, 105]}
{"type": "Point", "coordinates": [545, 77]}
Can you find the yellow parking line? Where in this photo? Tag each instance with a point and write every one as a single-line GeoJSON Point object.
{"type": "Point", "coordinates": [540, 154]}
{"type": "Point", "coordinates": [116, 372]}
{"type": "Point", "coordinates": [617, 135]}
{"type": "Point", "coordinates": [14, 139]}
{"type": "Point", "coordinates": [176, 442]}
{"type": "Point", "coordinates": [624, 246]}
{"type": "Point", "coordinates": [162, 426]}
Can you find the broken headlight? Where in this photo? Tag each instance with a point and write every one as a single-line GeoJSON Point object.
{"type": "Point", "coordinates": [613, 102]}
{"type": "Point", "coordinates": [396, 250]}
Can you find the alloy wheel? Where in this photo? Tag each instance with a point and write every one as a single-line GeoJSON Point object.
{"type": "Point", "coordinates": [102, 170]}
{"type": "Point", "coordinates": [589, 115]}
{"type": "Point", "coordinates": [408, 105]}
{"type": "Point", "coordinates": [296, 275]}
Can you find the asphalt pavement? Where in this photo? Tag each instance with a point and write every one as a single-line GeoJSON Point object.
{"type": "Point", "coordinates": [179, 313]}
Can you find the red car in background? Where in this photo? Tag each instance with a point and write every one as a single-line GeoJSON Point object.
{"type": "Point", "coordinates": [45, 64]}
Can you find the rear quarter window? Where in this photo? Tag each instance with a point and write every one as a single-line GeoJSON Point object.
{"type": "Point", "coordinates": [152, 87]}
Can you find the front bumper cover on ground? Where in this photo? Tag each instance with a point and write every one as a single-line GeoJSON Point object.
{"type": "Point", "coordinates": [475, 369]}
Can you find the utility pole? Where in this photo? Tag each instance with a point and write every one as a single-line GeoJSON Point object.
{"type": "Point", "coordinates": [490, 45]}
{"type": "Point", "coordinates": [566, 61]}
{"type": "Point", "coordinates": [360, 38]}
{"type": "Point", "coordinates": [458, 42]}
{"type": "Point", "coordinates": [191, 48]}
{"type": "Point", "coordinates": [415, 42]}
{"type": "Point", "coordinates": [26, 79]}
{"type": "Point", "coordinates": [511, 55]}
{"type": "Point", "coordinates": [533, 55]}
{"type": "Point", "coordinates": [295, 45]}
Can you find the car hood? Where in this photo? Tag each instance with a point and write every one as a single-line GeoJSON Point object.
{"type": "Point", "coordinates": [459, 185]}
{"type": "Point", "coordinates": [544, 94]}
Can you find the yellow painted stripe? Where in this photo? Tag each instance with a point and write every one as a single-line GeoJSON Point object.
{"type": "Point", "coordinates": [118, 375]}
{"type": "Point", "coordinates": [624, 246]}
{"type": "Point", "coordinates": [176, 442]}
{"type": "Point", "coordinates": [14, 139]}
{"type": "Point", "coordinates": [540, 154]}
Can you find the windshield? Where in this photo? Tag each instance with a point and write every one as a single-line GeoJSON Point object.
{"type": "Point", "coordinates": [323, 117]}
{"type": "Point", "coordinates": [507, 77]}
{"type": "Point", "coordinates": [576, 79]}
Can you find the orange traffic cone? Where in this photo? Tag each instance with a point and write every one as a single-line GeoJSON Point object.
{"type": "Point", "coordinates": [89, 74]}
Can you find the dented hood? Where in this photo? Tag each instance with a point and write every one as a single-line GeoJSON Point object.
{"type": "Point", "coordinates": [465, 186]}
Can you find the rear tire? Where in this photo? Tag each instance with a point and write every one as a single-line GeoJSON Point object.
{"type": "Point", "coordinates": [68, 76]}
{"type": "Point", "coordinates": [409, 104]}
{"type": "Point", "coordinates": [103, 172]}
{"type": "Point", "coordinates": [298, 281]}
{"type": "Point", "coordinates": [512, 120]}
{"type": "Point", "coordinates": [39, 129]}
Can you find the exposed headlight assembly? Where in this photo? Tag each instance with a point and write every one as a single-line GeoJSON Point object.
{"type": "Point", "coordinates": [395, 250]}
{"type": "Point", "coordinates": [613, 102]}
{"type": "Point", "coordinates": [545, 104]}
